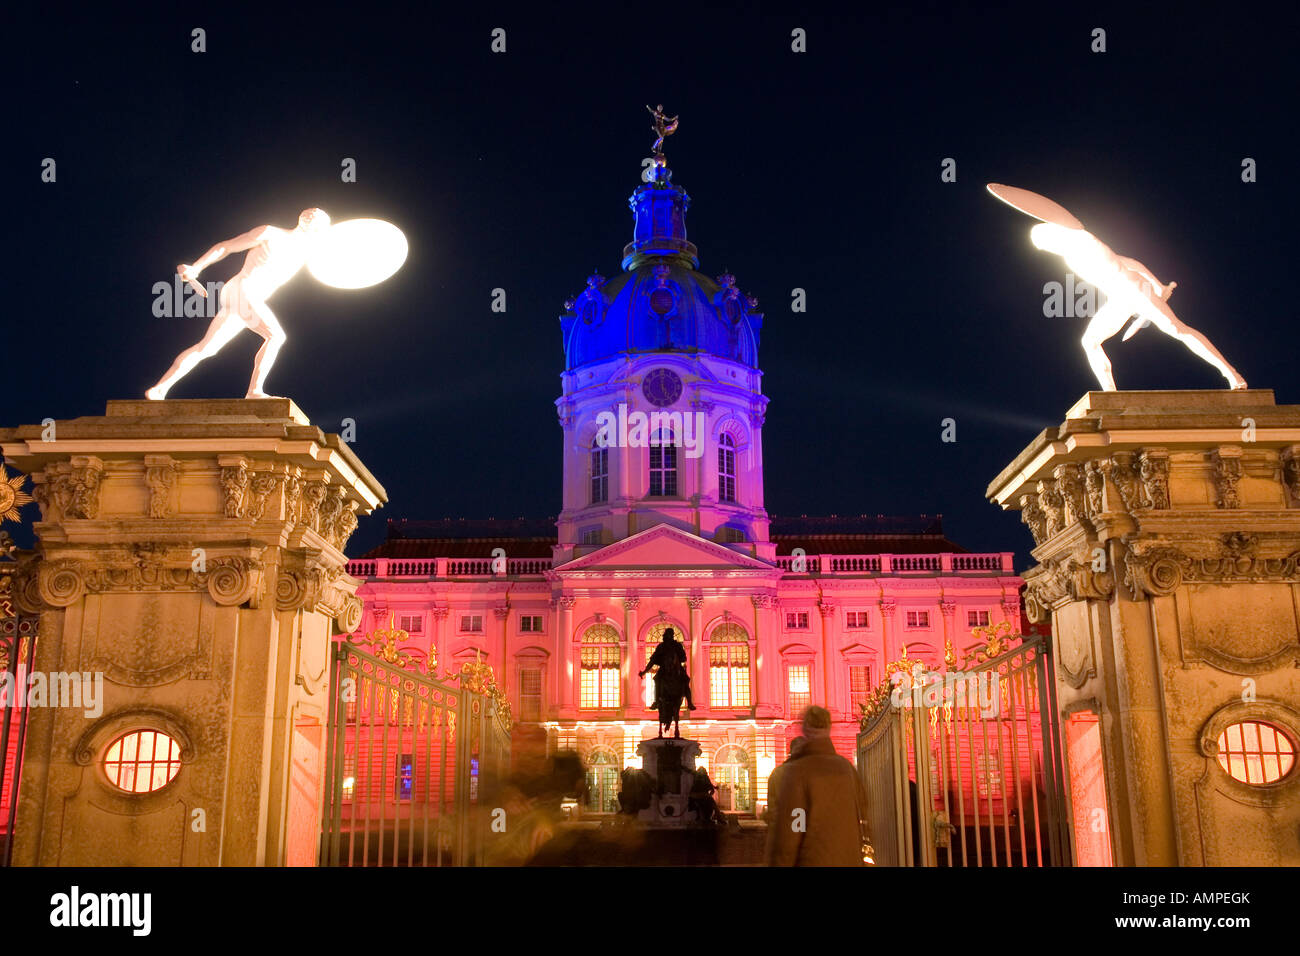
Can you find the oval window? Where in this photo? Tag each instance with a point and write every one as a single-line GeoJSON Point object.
{"type": "Point", "coordinates": [1255, 752]}
{"type": "Point", "coordinates": [142, 761]}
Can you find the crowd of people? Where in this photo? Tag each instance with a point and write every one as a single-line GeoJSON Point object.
{"type": "Point", "coordinates": [816, 813]}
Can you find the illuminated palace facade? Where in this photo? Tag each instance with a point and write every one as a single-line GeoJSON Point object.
{"type": "Point", "coordinates": [662, 525]}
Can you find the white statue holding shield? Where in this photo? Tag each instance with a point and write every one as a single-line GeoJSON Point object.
{"type": "Point", "coordinates": [1131, 289]}
{"type": "Point", "coordinates": [348, 255]}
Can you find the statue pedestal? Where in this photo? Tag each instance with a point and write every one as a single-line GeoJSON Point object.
{"type": "Point", "coordinates": [670, 762]}
{"type": "Point", "coordinates": [1167, 533]}
{"type": "Point", "coordinates": [191, 555]}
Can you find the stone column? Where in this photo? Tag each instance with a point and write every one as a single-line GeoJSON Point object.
{"type": "Point", "coordinates": [192, 555]}
{"type": "Point", "coordinates": [949, 611]}
{"type": "Point", "coordinates": [888, 640]}
{"type": "Point", "coordinates": [504, 670]}
{"type": "Point", "coordinates": [829, 655]}
{"type": "Point", "coordinates": [570, 664]}
{"type": "Point", "coordinates": [770, 677]}
{"type": "Point", "coordinates": [700, 687]}
{"type": "Point", "coordinates": [1167, 541]}
{"type": "Point", "coordinates": [439, 642]}
{"type": "Point", "coordinates": [635, 660]}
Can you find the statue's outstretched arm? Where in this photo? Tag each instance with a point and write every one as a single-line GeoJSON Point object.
{"type": "Point", "coordinates": [1134, 266]}
{"type": "Point", "coordinates": [240, 243]}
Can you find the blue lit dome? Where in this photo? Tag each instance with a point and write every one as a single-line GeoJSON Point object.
{"type": "Point", "coordinates": [660, 303]}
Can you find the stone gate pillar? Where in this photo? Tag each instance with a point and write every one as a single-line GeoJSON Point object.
{"type": "Point", "coordinates": [1167, 534]}
{"type": "Point", "coordinates": [191, 553]}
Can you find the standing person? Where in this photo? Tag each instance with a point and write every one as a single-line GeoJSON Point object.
{"type": "Point", "coordinates": [818, 813]}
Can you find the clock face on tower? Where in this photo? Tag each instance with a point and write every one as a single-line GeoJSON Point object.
{"type": "Point", "coordinates": [662, 387]}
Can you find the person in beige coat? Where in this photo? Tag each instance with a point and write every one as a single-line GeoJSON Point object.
{"type": "Point", "coordinates": [818, 812]}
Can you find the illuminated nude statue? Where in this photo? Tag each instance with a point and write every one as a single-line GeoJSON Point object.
{"type": "Point", "coordinates": [274, 257]}
{"type": "Point", "coordinates": [1131, 289]}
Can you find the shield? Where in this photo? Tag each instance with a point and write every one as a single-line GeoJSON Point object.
{"type": "Point", "coordinates": [1032, 204]}
{"type": "Point", "coordinates": [357, 253]}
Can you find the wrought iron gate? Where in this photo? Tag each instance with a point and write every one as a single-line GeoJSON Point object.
{"type": "Point", "coordinates": [963, 767]}
{"type": "Point", "coordinates": [410, 760]}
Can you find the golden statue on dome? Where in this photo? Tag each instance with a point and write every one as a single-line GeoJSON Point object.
{"type": "Point", "coordinates": [663, 128]}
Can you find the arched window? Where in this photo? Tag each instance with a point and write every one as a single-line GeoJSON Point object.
{"type": "Point", "coordinates": [142, 761]}
{"type": "Point", "coordinates": [729, 666]}
{"type": "Point", "coordinates": [663, 464]}
{"type": "Point", "coordinates": [731, 775]}
{"type": "Point", "coordinates": [726, 468]}
{"type": "Point", "coordinates": [1255, 752]}
{"type": "Point", "coordinates": [599, 472]}
{"type": "Point", "coordinates": [602, 781]}
{"type": "Point", "coordinates": [652, 639]}
{"type": "Point", "coordinates": [600, 667]}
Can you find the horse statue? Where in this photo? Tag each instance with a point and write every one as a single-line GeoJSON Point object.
{"type": "Point", "coordinates": [672, 683]}
{"type": "Point", "coordinates": [670, 690]}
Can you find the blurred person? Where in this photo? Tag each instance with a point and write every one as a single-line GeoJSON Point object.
{"type": "Point", "coordinates": [818, 813]}
{"type": "Point", "coordinates": [778, 774]}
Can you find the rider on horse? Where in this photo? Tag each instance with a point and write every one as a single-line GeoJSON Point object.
{"type": "Point", "coordinates": [670, 655]}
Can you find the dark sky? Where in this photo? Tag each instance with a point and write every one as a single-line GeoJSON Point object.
{"type": "Point", "coordinates": [818, 170]}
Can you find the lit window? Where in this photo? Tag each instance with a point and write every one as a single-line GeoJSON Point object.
{"type": "Point", "coordinates": [796, 620]}
{"type": "Point", "coordinates": [471, 623]}
{"type": "Point", "coordinates": [856, 619]}
{"type": "Point", "coordinates": [349, 774]}
{"type": "Point", "coordinates": [726, 468]}
{"type": "Point", "coordinates": [530, 694]}
{"type": "Point", "coordinates": [411, 623]}
{"type": "Point", "coordinates": [663, 465]}
{"type": "Point", "coordinates": [405, 777]}
{"type": "Point", "coordinates": [918, 618]}
{"type": "Point", "coordinates": [729, 667]}
{"type": "Point", "coordinates": [859, 686]}
{"type": "Point", "coordinates": [988, 773]}
{"type": "Point", "coordinates": [142, 761]}
{"type": "Point", "coordinates": [798, 683]}
{"type": "Point", "coordinates": [1255, 752]}
{"type": "Point", "coordinates": [977, 618]}
{"type": "Point", "coordinates": [599, 473]}
{"type": "Point", "coordinates": [600, 667]}
{"type": "Point", "coordinates": [602, 781]}
{"type": "Point", "coordinates": [730, 535]}
{"type": "Point", "coordinates": [731, 774]}
{"type": "Point", "coordinates": [530, 623]}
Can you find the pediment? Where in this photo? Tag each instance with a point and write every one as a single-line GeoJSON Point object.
{"type": "Point", "coordinates": [665, 548]}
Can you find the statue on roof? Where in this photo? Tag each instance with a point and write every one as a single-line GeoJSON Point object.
{"type": "Point", "coordinates": [664, 127]}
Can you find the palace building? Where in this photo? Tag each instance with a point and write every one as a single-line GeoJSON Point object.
{"type": "Point", "coordinates": [662, 525]}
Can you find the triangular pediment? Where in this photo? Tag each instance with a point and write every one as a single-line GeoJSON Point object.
{"type": "Point", "coordinates": [665, 548]}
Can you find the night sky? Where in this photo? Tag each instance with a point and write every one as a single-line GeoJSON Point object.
{"type": "Point", "coordinates": [818, 170]}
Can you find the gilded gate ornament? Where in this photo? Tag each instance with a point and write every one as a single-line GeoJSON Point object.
{"type": "Point", "coordinates": [12, 496]}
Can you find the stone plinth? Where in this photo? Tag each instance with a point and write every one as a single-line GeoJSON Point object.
{"type": "Point", "coordinates": [670, 762]}
{"type": "Point", "coordinates": [1167, 535]}
{"type": "Point", "coordinates": [191, 552]}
